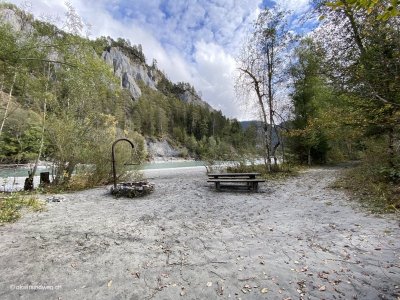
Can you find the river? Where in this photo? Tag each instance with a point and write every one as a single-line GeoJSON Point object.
{"type": "Point", "coordinates": [12, 177]}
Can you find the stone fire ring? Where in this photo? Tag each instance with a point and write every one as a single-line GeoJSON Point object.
{"type": "Point", "coordinates": [132, 189]}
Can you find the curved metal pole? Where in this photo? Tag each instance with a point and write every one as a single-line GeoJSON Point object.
{"type": "Point", "coordinates": [113, 158]}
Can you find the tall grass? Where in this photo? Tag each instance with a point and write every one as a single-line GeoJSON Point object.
{"type": "Point", "coordinates": [12, 204]}
{"type": "Point", "coordinates": [278, 172]}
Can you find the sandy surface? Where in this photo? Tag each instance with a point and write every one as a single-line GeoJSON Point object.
{"type": "Point", "coordinates": [296, 239]}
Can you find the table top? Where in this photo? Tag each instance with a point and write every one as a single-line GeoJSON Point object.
{"type": "Point", "coordinates": [233, 174]}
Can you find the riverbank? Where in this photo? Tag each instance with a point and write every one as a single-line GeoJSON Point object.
{"type": "Point", "coordinates": [296, 238]}
{"type": "Point", "coordinates": [12, 178]}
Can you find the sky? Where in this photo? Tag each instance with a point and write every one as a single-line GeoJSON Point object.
{"type": "Point", "coordinates": [194, 41]}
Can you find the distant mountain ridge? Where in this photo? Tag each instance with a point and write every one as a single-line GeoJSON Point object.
{"type": "Point", "coordinates": [246, 124]}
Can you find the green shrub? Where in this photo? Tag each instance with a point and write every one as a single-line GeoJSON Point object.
{"type": "Point", "coordinates": [374, 182]}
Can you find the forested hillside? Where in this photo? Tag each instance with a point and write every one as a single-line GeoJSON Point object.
{"type": "Point", "coordinates": [66, 99]}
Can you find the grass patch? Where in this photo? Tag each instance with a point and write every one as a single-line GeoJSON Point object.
{"type": "Point", "coordinates": [11, 206]}
{"type": "Point", "coordinates": [279, 172]}
{"type": "Point", "coordinates": [368, 187]}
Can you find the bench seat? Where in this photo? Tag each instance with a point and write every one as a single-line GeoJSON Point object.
{"type": "Point", "coordinates": [250, 184]}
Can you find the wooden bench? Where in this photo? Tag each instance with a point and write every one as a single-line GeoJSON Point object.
{"type": "Point", "coordinates": [235, 180]}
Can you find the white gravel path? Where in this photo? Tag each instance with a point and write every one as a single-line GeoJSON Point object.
{"type": "Point", "coordinates": [295, 239]}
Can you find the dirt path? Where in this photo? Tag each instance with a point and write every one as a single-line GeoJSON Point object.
{"type": "Point", "coordinates": [295, 239]}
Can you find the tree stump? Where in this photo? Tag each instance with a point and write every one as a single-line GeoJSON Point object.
{"type": "Point", "coordinates": [28, 185]}
{"type": "Point", "coordinates": [44, 178]}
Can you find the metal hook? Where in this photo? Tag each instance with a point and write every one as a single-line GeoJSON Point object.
{"type": "Point", "coordinates": [113, 158]}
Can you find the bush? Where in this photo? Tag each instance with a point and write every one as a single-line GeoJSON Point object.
{"type": "Point", "coordinates": [373, 182]}
{"type": "Point", "coordinates": [366, 185]}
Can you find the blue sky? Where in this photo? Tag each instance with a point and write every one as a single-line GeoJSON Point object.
{"type": "Point", "coordinates": [195, 41]}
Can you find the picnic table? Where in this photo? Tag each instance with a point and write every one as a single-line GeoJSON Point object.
{"type": "Point", "coordinates": [249, 181]}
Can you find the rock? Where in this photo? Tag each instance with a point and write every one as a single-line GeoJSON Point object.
{"type": "Point", "coordinates": [190, 97]}
{"type": "Point", "coordinates": [129, 71]}
{"type": "Point", "coordinates": [129, 83]}
{"type": "Point", "coordinates": [16, 22]}
{"type": "Point", "coordinates": [161, 149]}
{"type": "Point", "coordinates": [132, 189]}
{"type": "Point", "coordinates": [55, 198]}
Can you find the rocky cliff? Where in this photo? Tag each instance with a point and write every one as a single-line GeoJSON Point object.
{"type": "Point", "coordinates": [130, 69]}
{"type": "Point", "coordinates": [17, 22]}
{"type": "Point", "coordinates": [161, 149]}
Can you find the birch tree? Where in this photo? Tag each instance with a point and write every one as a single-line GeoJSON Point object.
{"type": "Point", "coordinates": [261, 66]}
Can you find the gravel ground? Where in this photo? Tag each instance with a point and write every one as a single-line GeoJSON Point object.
{"type": "Point", "coordinates": [294, 239]}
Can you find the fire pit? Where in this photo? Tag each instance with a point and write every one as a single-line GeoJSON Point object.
{"type": "Point", "coordinates": [128, 189]}
{"type": "Point", "coordinates": [132, 189]}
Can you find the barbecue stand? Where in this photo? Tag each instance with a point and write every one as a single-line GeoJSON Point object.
{"type": "Point", "coordinates": [128, 189]}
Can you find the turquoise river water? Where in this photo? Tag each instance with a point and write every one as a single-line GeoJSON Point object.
{"type": "Point", "coordinates": [22, 171]}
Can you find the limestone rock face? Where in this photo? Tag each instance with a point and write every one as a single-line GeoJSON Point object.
{"type": "Point", "coordinates": [161, 149]}
{"type": "Point", "coordinates": [129, 71]}
{"type": "Point", "coordinates": [190, 97]}
{"type": "Point", "coordinates": [10, 17]}
{"type": "Point", "coordinates": [16, 23]}
{"type": "Point", "coordinates": [132, 71]}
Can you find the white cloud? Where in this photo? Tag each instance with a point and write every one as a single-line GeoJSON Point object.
{"type": "Point", "coordinates": [297, 6]}
{"type": "Point", "coordinates": [215, 70]}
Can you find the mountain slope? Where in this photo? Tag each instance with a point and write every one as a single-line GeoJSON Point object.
{"type": "Point", "coordinates": [90, 92]}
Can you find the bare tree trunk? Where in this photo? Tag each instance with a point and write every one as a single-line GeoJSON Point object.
{"type": "Point", "coordinates": [276, 146]}
{"type": "Point", "coordinates": [282, 146]}
{"type": "Point", "coordinates": [59, 170]}
{"type": "Point", "coordinates": [270, 59]}
{"type": "Point", "coordinates": [391, 151]}
{"type": "Point", "coordinates": [33, 172]}
{"type": "Point", "coordinates": [64, 172]}
{"type": "Point", "coordinates": [69, 171]}
{"type": "Point", "coordinates": [267, 147]}
{"type": "Point", "coordinates": [354, 27]}
{"type": "Point", "coordinates": [309, 156]}
{"type": "Point", "coordinates": [283, 152]}
{"type": "Point", "coordinates": [267, 135]}
{"type": "Point", "coordinates": [8, 103]}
